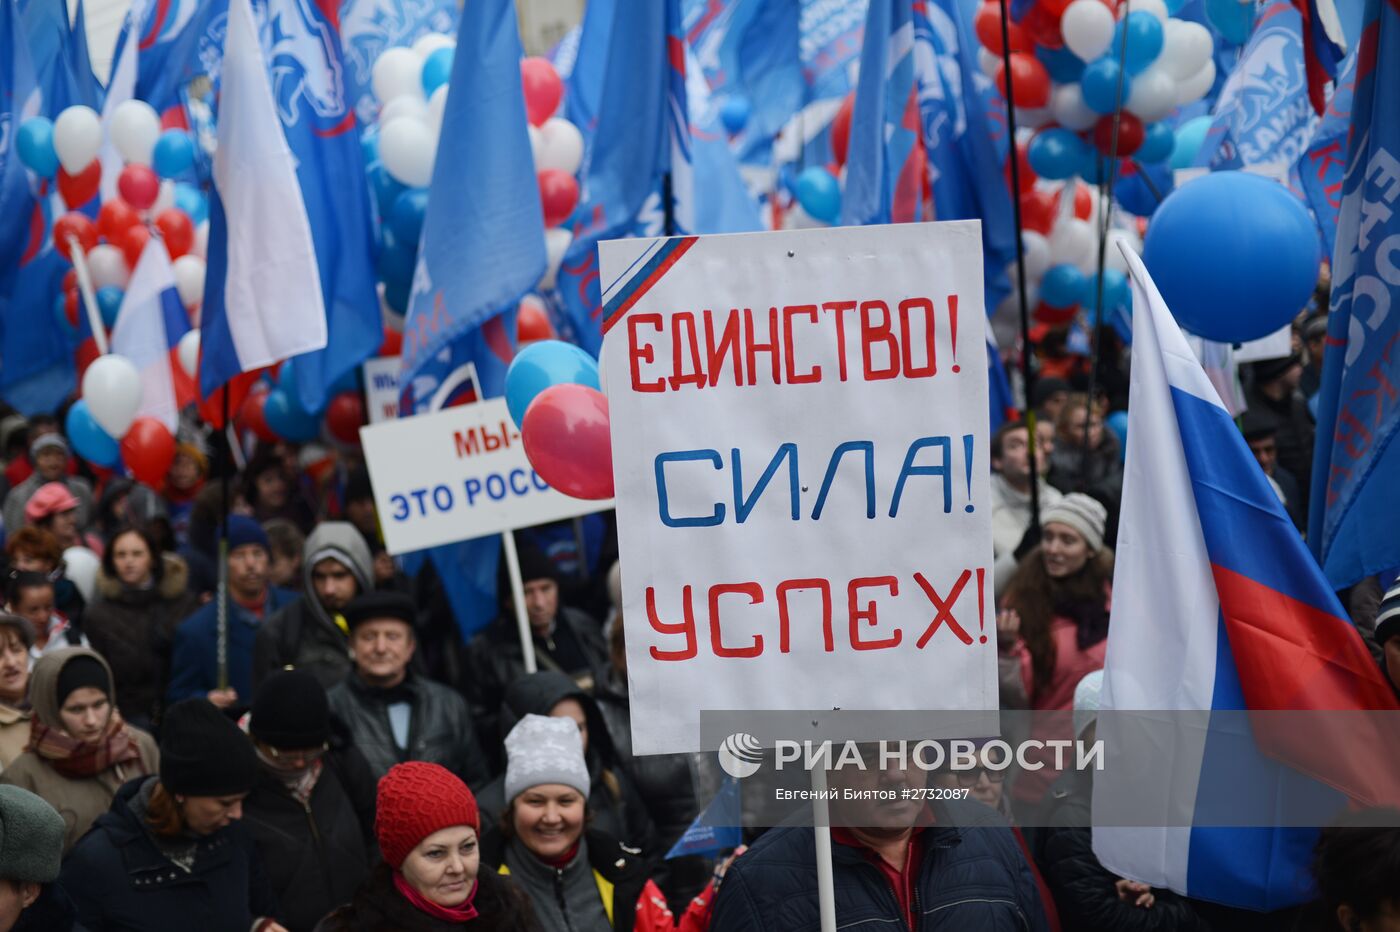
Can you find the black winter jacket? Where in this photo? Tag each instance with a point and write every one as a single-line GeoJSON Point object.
{"type": "Point", "coordinates": [378, 907]}
{"type": "Point", "coordinates": [316, 855]}
{"type": "Point", "coordinates": [440, 730]}
{"type": "Point", "coordinates": [52, 912]}
{"type": "Point", "coordinates": [120, 881]}
{"type": "Point", "coordinates": [972, 877]}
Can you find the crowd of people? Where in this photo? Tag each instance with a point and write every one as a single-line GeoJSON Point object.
{"type": "Point", "coordinates": [343, 758]}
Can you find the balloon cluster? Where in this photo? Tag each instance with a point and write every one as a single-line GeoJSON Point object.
{"type": "Point", "coordinates": [555, 398]}
{"type": "Point", "coordinates": [400, 150]}
{"type": "Point", "coordinates": [104, 429]}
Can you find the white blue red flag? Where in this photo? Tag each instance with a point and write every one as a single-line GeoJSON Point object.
{"type": "Point", "coordinates": [150, 323]}
{"type": "Point", "coordinates": [1355, 499]}
{"type": "Point", "coordinates": [1218, 606]}
{"type": "Point", "coordinates": [262, 290]}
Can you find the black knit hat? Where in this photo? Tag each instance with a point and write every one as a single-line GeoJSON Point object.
{"type": "Point", "coordinates": [536, 564]}
{"type": "Point", "coordinates": [290, 712]}
{"type": "Point", "coordinates": [376, 606]}
{"type": "Point", "coordinates": [82, 671]}
{"type": "Point", "coordinates": [202, 752]}
{"type": "Point", "coordinates": [1267, 370]}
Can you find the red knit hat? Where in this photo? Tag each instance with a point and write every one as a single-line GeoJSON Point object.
{"type": "Point", "coordinates": [415, 800]}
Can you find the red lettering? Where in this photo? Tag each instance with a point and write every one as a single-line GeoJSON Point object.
{"type": "Point", "coordinates": [755, 593]}
{"type": "Point", "coordinates": [943, 608]}
{"type": "Point", "coordinates": [685, 320]}
{"type": "Point", "coordinates": [872, 333]}
{"type": "Point", "coordinates": [1352, 434]}
{"type": "Point", "coordinates": [868, 614]}
{"type": "Point", "coordinates": [815, 374]}
{"type": "Point", "coordinates": [753, 348]}
{"type": "Point", "coordinates": [728, 346]}
{"type": "Point", "coordinates": [492, 442]}
{"type": "Point", "coordinates": [640, 353]}
{"type": "Point", "coordinates": [840, 307]}
{"type": "Point", "coordinates": [784, 623]}
{"type": "Point", "coordinates": [466, 445]}
{"type": "Point", "coordinates": [907, 338]}
{"type": "Point", "coordinates": [686, 627]}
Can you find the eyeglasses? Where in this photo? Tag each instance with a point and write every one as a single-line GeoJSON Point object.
{"type": "Point", "coordinates": [969, 778]}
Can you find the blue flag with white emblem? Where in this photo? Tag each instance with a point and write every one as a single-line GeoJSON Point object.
{"type": "Point", "coordinates": [368, 27]}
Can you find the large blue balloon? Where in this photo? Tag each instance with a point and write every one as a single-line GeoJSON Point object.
{"type": "Point", "coordinates": [819, 193]}
{"type": "Point", "coordinates": [174, 153]}
{"type": "Point", "coordinates": [287, 419]}
{"type": "Point", "coordinates": [1099, 85]}
{"type": "Point", "coordinates": [34, 143]}
{"type": "Point", "coordinates": [1232, 19]}
{"type": "Point", "coordinates": [734, 113]}
{"type": "Point", "coordinates": [1055, 153]}
{"type": "Point", "coordinates": [542, 364]}
{"type": "Point", "coordinates": [90, 441]}
{"type": "Point", "coordinates": [1064, 66]}
{"type": "Point", "coordinates": [192, 201]}
{"type": "Point", "coordinates": [1063, 286]}
{"type": "Point", "coordinates": [437, 69]}
{"type": "Point", "coordinates": [1145, 37]}
{"type": "Point", "coordinates": [1189, 138]}
{"type": "Point", "coordinates": [109, 302]}
{"type": "Point", "coordinates": [406, 218]}
{"type": "Point", "coordinates": [1157, 143]}
{"type": "Point", "coordinates": [1235, 255]}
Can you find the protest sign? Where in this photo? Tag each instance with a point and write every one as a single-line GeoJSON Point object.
{"type": "Point", "coordinates": [382, 388]}
{"type": "Point", "coordinates": [457, 474]}
{"type": "Point", "coordinates": [799, 430]}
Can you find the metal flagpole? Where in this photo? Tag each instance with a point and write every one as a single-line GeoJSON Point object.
{"type": "Point", "coordinates": [517, 596]}
{"type": "Point", "coordinates": [221, 648]}
{"type": "Point", "coordinates": [821, 826]}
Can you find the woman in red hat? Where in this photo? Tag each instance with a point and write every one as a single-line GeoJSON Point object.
{"type": "Point", "coordinates": [427, 825]}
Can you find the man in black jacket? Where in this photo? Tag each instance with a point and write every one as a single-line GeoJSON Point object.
{"type": "Point", "coordinates": [393, 715]}
{"type": "Point", "coordinates": [311, 812]}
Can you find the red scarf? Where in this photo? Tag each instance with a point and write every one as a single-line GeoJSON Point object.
{"type": "Point", "coordinates": [463, 913]}
{"type": "Point", "coordinates": [79, 760]}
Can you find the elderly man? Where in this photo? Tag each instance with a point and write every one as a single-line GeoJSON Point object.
{"type": "Point", "coordinates": [49, 453]}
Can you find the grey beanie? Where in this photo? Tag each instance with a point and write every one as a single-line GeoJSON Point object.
{"type": "Point", "coordinates": [31, 836]}
{"type": "Point", "coordinates": [1077, 510]}
{"type": "Point", "coordinates": [541, 749]}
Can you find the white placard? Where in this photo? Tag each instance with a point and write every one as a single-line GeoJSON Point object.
{"type": "Point", "coordinates": [457, 474]}
{"type": "Point", "coordinates": [811, 529]}
{"type": "Point", "coordinates": [382, 388]}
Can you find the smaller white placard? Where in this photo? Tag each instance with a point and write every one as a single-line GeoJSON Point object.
{"type": "Point", "coordinates": [382, 388]}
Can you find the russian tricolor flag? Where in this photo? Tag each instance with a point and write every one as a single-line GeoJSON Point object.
{"type": "Point", "coordinates": [1217, 605]}
{"type": "Point", "coordinates": [149, 326]}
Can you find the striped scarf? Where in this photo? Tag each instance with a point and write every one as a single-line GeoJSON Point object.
{"type": "Point", "coordinates": [79, 760]}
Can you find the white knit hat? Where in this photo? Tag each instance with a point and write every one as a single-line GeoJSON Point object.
{"type": "Point", "coordinates": [540, 750]}
{"type": "Point", "coordinates": [1082, 513]}
{"type": "Point", "coordinates": [1087, 700]}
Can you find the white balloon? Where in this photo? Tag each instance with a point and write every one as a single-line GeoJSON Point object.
{"type": "Point", "coordinates": [188, 352]}
{"type": "Point", "coordinates": [1034, 118]}
{"type": "Point", "coordinates": [1153, 95]}
{"type": "Point", "coordinates": [112, 390]}
{"type": "Point", "coordinates": [77, 137]}
{"type": "Point", "coordinates": [436, 104]}
{"type": "Point", "coordinates": [795, 218]}
{"type": "Point", "coordinates": [134, 130]}
{"type": "Point", "coordinates": [561, 146]}
{"type": "Point", "coordinates": [396, 72]}
{"type": "Point", "coordinates": [1087, 27]}
{"type": "Point", "coordinates": [404, 105]}
{"type": "Point", "coordinates": [165, 197]}
{"type": "Point", "coordinates": [189, 279]}
{"type": "Point", "coordinates": [1186, 47]}
{"type": "Point", "coordinates": [107, 266]}
{"type": "Point", "coordinates": [536, 144]}
{"type": "Point", "coordinates": [1156, 7]}
{"type": "Point", "coordinates": [1068, 107]}
{"type": "Point", "coordinates": [1037, 253]}
{"type": "Point", "coordinates": [988, 62]}
{"type": "Point", "coordinates": [1195, 87]}
{"type": "Point", "coordinates": [556, 243]}
{"type": "Point", "coordinates": [201, 241]}
{"type": "Point", "coordinates": [430, 42]}
{"type": "Point", "coordinates": [406, 147]}
{"type": "Point", "coordinates": [1072, 242]}
{"type": "Point", "coordinates": [81, 565]}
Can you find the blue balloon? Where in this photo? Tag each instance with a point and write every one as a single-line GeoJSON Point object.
{"type": "Point", "coordinates": [34, 143]}
{"type": "Point", "coordinates": [1095, 166]}
{"type": "Point", "coordinates": [1145, 37]}
{"type": "Point", "coordinates": [734, 113]}
{"type": "Point", "coordinates": [1056, 153]}
{"type": "Point", "coordinates": [1189, 138]}
{"type": "Point", "coordinates": [174, 153]}
{"type": "Point", "coordinates": [1064, 66]}
{"type": "Point", "coordinates": [1235, 255]}
{"type": "Point", "coordinates": [1134, 194]}
{"type": "Point", "coordinates": [1117, 422]}
{"type": "Point", "coordinates": [1099, 85]}
{"type": "Point", "coordinates": [397, 261]}
{"type": "Point", "coordinates": [192, 201]}
{"type": "Point", "coordinates": [369, 145]}
{"type": "Point", "coordinates": [542, 364]}
{"type": "Point", "coordinates": [1157, 144]}
{"type": "Point", "coordinates": [437, 69]}
{"type": "Point", "coordinates": [90, 441]}
{"type": "Point", "coordinates": [1063, 286]}
{"type": "Point", "coordinates": [819, 193]}
{"type": "Point", "coordinates": [1175, 6]}
{"type": "Point", "coordinates": [386, 189]}
{"type": "Point", "coordinates": [287, 419]}
{"type": "Point", "coordinates": [1232, 19]}
{"type": "Point", "coordinates": [60, 313]}
{"type": "Point", "coordinates": [1115, 290]}
{"type": "Point", "coordinates": [109, 302]}
{"type": "Point", "coordinates": [396, 295]}
{"type": "Point", "coordinates": [406, 217]}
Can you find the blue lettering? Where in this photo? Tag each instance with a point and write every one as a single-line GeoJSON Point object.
{"type": "Point", "coordinates": [421, 497]}
{"type": "Point", "coordinates": [473, 487]}
{"type": "Point", "coordinates": [909, 469]}
{"type": "Point", "coordinates": [537, 482]}
{"type": "Point", "coordinates": [864, 446]}
{"type": "Point", "coordinates": [442, 498]}
{"type": "Point", "coordinates": [742, 508]}
{"type": "Point", "coordinates": [400, 507]}
{"type": "Point", "coordinates": [663, 500]}
{"type": "Point", "coordinates": [496, 491]}
{"type": "Point", "coordinates": [523, 487]}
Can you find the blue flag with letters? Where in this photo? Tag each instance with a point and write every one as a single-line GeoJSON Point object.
{"type": "Point", "coordinates": [368, 27]}
{"type": "Point", "coordinates": [1322, 167]}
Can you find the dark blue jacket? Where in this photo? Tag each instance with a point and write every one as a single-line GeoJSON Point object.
{"type": "Point", "coordinates": [194, 668]}
{"type": "Point", "coordinates": [969, 878]}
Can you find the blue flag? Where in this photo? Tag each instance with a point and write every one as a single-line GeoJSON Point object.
{"type": "Point", "coordinates": [309, 84]}
{"type": "Point", "coordinates": [885, 165]}
{"type": "Point", "coordinates": [1355, 504]}
{"type": "Point", "coordinates": [179, 41]}
{"type": "Point", "coordinates": [1321, 170]}
{"type": "Point", "coordinates": [718, 828]}
{"type": "Point", "coordinates": [368, 27]}
{"type": "Point", "coordinates": [580, 60]}
{"type": "Point", "coordinates": [19, 100]}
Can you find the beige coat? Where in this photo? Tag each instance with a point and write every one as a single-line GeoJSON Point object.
{"type": "Point", "coordinates": [14, 733]}
{"type": "Point", "coordinates": [79, 801]}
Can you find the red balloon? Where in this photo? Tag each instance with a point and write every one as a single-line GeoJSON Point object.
{"type": "Point", "coordinates": [345, 414]}
{"type": "Point", "coordinates": [177, 231]}
{"type": "Point", "coordinates": [211, 409]}
{"type": "Point", "coordinates": [1043, 27]}
{"type": "Point", "coordinates": [1055, 316]}
{"type": "Point", "coordinates": [138, 186]}
{"type": "Point", "coordinates": [1038, 210]}
{"type": "Point", "coordinates": [1055, 8]}
{"type": "Point", "coordinates": [70, 280]}
{"type": "Point", "coordinates": [987, 23]}
{"type": "Point", "coordinates": [1083, 201]}
{"type": "Point", "coordinates": [532, 323]}
{"type": "Point", "coordinates": [1023, 163]}
{"type": "Point", "coordinates": [72, 307]}
{"type": "Point", "coordinates": [74, 224]}
{"type": "Point", "coordinates": [174, 118]}
{"type": "Point", "coordinates": [78, 189]}
{"type": "Point", "coordinates": [841, 130]}
{"type": "Point", "coordinates": [566, 434]}
{"type": "Point", "coordinates": [133, 243]}
{"type": "Point", "coordinates": [543, 89]}
{"type": "Point", "coordinates": [251, 417]}
{"type": "Point", "coordinates": [558, 195]}
{"type": "Point", "coordinates": [114, 219]}
{"type": "Point", "coordinates": [1130, 134]}
{"type": "Point", "coordinates": [393, 342]}
{"type": "Point", "coordinates": [148, 449]}
{"type": "Point", "coordinates": [86, 355]}
{"type": "Point", "coordinates": [1031, 79]}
